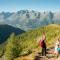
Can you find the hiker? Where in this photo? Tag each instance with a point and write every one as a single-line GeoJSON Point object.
{"type": "Point", "coordinates": [57, 47]}
{"type": "Point", "coordinates": [43, 44]}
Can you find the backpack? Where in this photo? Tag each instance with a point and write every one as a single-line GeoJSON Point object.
{"type": "Point", "coordinates": [58, 49]}
{"type": "Point", "coordinates": [42, 43]}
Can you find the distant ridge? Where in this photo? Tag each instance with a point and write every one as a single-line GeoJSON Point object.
{"type": "Point", "coordinates": [6, 30]}
{"type": "Point", "coordinates": [53, 25]}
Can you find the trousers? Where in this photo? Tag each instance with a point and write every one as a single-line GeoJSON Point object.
{"type": "Point", "coordinates": [44, 51]}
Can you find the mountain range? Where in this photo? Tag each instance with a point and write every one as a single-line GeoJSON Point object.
{"type": "Point", "coordinates": [27, 20]}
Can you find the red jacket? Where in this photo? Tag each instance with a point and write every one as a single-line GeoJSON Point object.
{"type": "Point", "coordinates": [42, 44]}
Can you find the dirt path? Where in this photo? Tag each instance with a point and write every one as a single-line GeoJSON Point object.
{"type": "Point", "coordinates": [50, 56]}
{"type": "Point", "coordinates": [3, 58]}
{"type": "Point", "coordinates": [37, 56]}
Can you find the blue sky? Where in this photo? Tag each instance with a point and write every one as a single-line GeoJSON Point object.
{"type": "Point", "coordinates": [37, 5]}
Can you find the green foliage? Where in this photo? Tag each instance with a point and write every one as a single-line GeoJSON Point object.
{"type": "Point", "coordinates": [12, 50]}
{"type": "Point", "coordinates": [5, 31]}
{"type": "Point", "coordinates": [1, 51]}
{"type": "Point", "coordinates": [28, 39]}
{"type": "Point", "coordinates": [26, 43]}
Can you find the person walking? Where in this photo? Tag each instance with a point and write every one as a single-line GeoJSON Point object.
{"type": "Point", "coordinates": [57, 47]}
{"type": "Point", "coordinates": [43, 44]}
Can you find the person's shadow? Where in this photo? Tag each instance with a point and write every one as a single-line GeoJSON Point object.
{"type": "Point", "coordinates": [38, 57]}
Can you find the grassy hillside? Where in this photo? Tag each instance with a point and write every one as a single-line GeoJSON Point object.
{"type": "Point", "coordinates": [30, 38]}
{"type": "Point", "coordinates": [27, 42]}
{"type": "Point", "coordinates": [5, 31]}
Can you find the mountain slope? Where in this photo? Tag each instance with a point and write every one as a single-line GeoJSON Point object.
{"type": "Point", "coordinates": [51, 30]}
{"type": "Point", "coordinates": [28, 42]}
{"type": "Point", "coordinates": [6, 30]}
